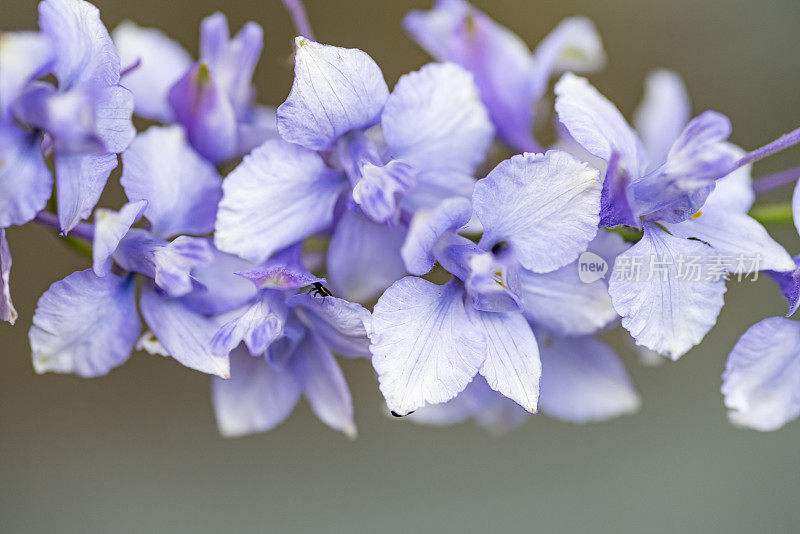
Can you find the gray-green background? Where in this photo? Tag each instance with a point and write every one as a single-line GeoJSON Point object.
{"type": "Point", "coordinates": [137, 451]}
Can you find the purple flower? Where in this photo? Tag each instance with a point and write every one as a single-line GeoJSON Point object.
{"type": "Point", "coordinates": [510, 78]}
{"type": "Point", "coordinates": [289, 341]}
{"type": "Point", "coordinates": [86, 117]}
{"type": "Point", "coordinates": [355, 160]}
{"type": "Point", "coordinates": [539, 212]}
{"type": "Point", "coordinates": [213, 98]}
{"type": "Point", "coordinates": [87, 323]}
{"type": "Point", "coordinates": [669, 183]}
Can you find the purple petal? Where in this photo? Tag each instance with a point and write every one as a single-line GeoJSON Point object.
{"type": "Point", "coordinates": [80, 180]}
{"type": "Point", "coordinates": [24, 56]}
{"type": "Point", "coordinates": [232, 61]}
{"type": "Point", "coordinates": [323, 384]}
{"type": "Point", "coordinates": [597, 125]}
{"type": "Point", "coordinates": [279, 195]}
{"type": "Point", "coordinates": [85, 325]}
{"type": "Point", "coordinates": [85, 53]}
{"type": "Point", "coordinates": [424, 347]}
{"type": "Point", "coordinates": [789, 285]}
{"type": "Point", "coordinates": [761, 383]}
{"type": "Point", "coordinates": [260, 325]}
{"type": "Point", "coordinates": [512, 365]}
{"type": "Point", "coordinates": [500, 62]}
{"type": "Point", "coordinates": [664, 309]}
{"type": "Point", "coordinates": [256, 398]}
{"type": "Point", "coordinates": [113, 108]}
{"type": "Point", "coordinates": [7, 311]}
{"type": "Point", "coordinates": [364, 257]}
{"type": "Point", "coordinates": [206, 113]}
{"type": "Point", "coordinates": [184, 334]}
{"type": "Point", "coordinates": [161, 63]}
{"type": "Point", "coordinates": [381, 187]}
{"type": "Point", "coordinates": [680, 187]}
{"type": "Point", "coordinates": [218, 289]}
{"type": "Point", "coordinates": [584, 380]}
{"type": "Point", "coordinates": [341, 324]}
{"type": "Point", "coordinates": [427, 227]}
{"type": "Point", "coordinates": [544, 205]}
{"type": "Point", "coordinates": [181, 188]}
{"type": "Point", "coordinates": [434, 120]}
{"type": "Point", "coordinates": [736, 236]}
{"type": "Point", "coordinates": [25, 180]}
{"type": "Point", "coordinates": [110, 227]}
{"type": "Point", "coordinates": [335, 90]}
{"type": "Point", "coordinates": [663, 113]}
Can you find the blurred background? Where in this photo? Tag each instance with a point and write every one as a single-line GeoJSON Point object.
{"type": "Point", "coordinates": [138, 450]}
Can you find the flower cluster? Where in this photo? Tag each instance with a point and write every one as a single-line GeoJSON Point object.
{"type": "Point", "coordinates": [376, 223]}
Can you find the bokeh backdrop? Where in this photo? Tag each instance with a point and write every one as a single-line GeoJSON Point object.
{"type": "Point", "coordinates": [138, 450]}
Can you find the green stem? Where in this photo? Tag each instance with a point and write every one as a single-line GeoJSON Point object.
{"type": "Point", "coordinates": [629, 234]}
{"type": "Point", "coordinates": [777, 213]}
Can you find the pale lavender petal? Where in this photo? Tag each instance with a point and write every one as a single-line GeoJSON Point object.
{"type": "Point", "coordinates": [7, 311]}
{"type": "Point", "coordinates": [173, 263]}
{"type": "Point", "coordinates": [499, 60]}
{"type": "Point", "coordinates": [323, 384]}
{"type": "Point", "coordinates": [260, 325]}
{"type": "Point", "coordinates": [341, 324]}
{"type": "Point", "coordinates": [109, 229]}
{"type": "Point", "coordinates": [25, 181]}
{"type": "Point", "coordinates": [206, 113]}
{"type": "Point", "coordinates": [512, 365]}
{"type": "Point", "coordinates": [80, 180]}
{"type": "Point", "coordinates": [24, 56]}
{"type": "Point", "coordinates": [218, 288]}
{"type": "Point", "coordinates": [85, 53]}
{"type": "Point", "coordinates": [380, 188]}
{"type": "Point", "coordinates": [424, 347]}
{"type": "Point", "coordinates": [113, 109]}
{"type": "Point", "coordinates": [279, 195]}
{"type": "Point", "coordinates": [736, 236]}
{"type": "Point", "coordinates": [181, 188]}
{"type": "Point", "coordinates": [259, 126]}
{"type": "Point", "coordinates": [734, 192]}
{"type": "Point", "coordinates": [364, 257]}
{"type": "Point", "coordinates": [434, 120]}
{"type": "Point", "coordinates": [663, 113]}
{"type": "Point", "coordinates": [160, 61]}
{"type": "Point", "coordinates": [85, 325]}
{"type": "Point", "coordinates": [184, 334]}
{"type": "Point", "coordinates": [664, 309]}
{"type": "Point", "coordinates": [583, 380]}
{"type": "Point", "coordinates": [597, 124]}
{"type": "Point", "coordinates": [433, 187]}
{"type": "Point", "coordinates": [335, 90]}
{"type": "Point", "coordinates": [544, 205]}
{"type": "Point", "coordinates": [563, 304]}
{"type": "Point", "coordinates": [257, 397]}
{"type": "Point", "coordinates": [427, 227]}
{"type": "Point", "coordinates": [761, 383]}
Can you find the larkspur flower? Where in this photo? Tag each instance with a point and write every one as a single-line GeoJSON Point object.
{"type": "Point", "coordinates": [583, 379]}
{"type": "Point", "coordinates": [539, 212]}
{"type": "Point", "coordinates": [355, 161]}
{"type": "Point", "coordinates": [213, 98]}
{"type": "Point", "coordinates": [288, 341]}
{"type": "Point", "coordinates": [675, 182]}
{"type": "Point", "coordinates": [511, 79]}
{"type": "Point", "coordinates": [86, 117]}
{"type": "Point", "coordinates": [88, 324]}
